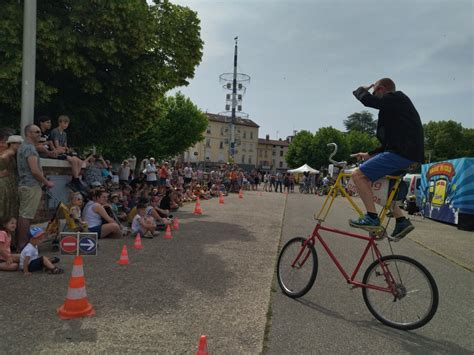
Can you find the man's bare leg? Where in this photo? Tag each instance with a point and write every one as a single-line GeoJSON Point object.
{"type": "Point", "coordinates": [364, 189]}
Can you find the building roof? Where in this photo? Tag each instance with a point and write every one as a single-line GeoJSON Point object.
{"type": "Point", "coordinates": [238, 121]}
{"type": "Point", "coordinates": [273, 142]}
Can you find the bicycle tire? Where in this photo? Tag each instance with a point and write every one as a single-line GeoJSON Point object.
{"type": "Point", "coordinates": [296, 281]}
{"type": "Point", "coordinates": [418, 276]}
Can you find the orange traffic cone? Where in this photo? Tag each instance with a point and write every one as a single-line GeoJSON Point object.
{"type": "Point", "coordinates": [197, 209]}
{"type": "Point", "coordinates": [202, 349]}
{"type": "Point", "coordinates": [175, 223]}
{"type": "Point", "coordinates": [168, 232]}
{"type": "Point", "coordinates": [221, 198]}
{"type": "Point", "coordinates": [123, 257]}
{"type": "Point", "coordinates": [138, 242]}
{"type": "Point", "coordinates": [241, 193]}
{"type": "Point", "coordinates": [76, 305]}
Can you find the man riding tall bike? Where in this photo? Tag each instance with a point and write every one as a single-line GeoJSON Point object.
{"type": "Point", "coordinates": [400, 133]}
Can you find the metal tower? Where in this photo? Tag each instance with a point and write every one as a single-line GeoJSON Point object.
{"type": "Point", "coordinates": [234, 82]}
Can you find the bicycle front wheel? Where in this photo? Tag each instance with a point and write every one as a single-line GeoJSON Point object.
{"type": "Point", "coordinates": [415, 299]}
{"type": "Point", "coordinates": [297, 267]}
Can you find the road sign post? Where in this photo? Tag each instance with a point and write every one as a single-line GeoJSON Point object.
{"type": "Point", "coordinates": [72, 243]}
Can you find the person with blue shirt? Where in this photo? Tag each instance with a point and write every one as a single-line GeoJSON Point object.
{"type": "Point", "coordinates": [400, 133]}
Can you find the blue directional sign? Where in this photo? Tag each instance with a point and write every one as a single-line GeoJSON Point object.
{"type": "Point", "coordinates": [88, 244]}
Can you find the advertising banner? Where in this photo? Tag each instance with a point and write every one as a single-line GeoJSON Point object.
{"type": "Point", "coordinates": [447, 189]}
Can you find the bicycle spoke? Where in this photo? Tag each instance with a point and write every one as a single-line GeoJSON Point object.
{"type": "Point", "coordinates": [415, 299]}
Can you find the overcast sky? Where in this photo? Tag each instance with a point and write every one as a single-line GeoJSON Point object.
{"type": "Point", "coordinates": [306, 57]}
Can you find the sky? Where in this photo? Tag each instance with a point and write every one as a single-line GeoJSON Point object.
{"type": "Point", "coordinates": [306, 57]}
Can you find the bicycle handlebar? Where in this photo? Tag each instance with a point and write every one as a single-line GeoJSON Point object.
{"type": "Point", "coordinates": [336, 163]}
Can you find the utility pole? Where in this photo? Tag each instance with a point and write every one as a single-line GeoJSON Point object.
{"type": "Point", "coordinates": [29, 64]}
{"type": "Point", "coordinates": [234, 104]}
{"type": "Point", "coordinates": [233, 108]}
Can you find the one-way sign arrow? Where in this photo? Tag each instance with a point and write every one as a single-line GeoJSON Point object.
{"type": "Point", "coordinates": [88, 244]}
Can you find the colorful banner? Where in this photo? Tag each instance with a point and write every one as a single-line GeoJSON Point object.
{"type": "Point", "coordinates": [447, 188]}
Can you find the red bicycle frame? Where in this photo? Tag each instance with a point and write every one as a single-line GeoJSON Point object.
{"type": "Point", "coordinates": [350, 280]}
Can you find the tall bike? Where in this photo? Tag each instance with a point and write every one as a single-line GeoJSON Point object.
{"type": "Point", "coordinates": [398, 290]}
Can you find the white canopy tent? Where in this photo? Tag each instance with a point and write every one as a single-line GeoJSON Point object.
{"type": "Point", "coordinates": [303, 169]}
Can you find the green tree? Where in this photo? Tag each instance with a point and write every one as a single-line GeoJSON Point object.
{"type": "Point", "coordinates": [361, 122]}
{"type": "Point", "coordinates": [107, 64]}
{"type": "Point", "coordinates": [467, 149]}
{"type": "Point", "coordinates": [322, 138]}
{"type": "Point", "coordinates": [361, 141]}
{"type": "Point", "coordinates": [445, 140]}
{"type": "Point", "coordinates": [301, 150]}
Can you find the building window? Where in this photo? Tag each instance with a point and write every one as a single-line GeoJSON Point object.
{"type": "Point", "coordinates": [265, 153]}
{"type": "Point", "coordinates": [208, 129]}
{"type": "Point", "coordinates": [251, 135]}
{"type": "Point", "coordinates": [281, 153]}
{"type": "Point", "coordinates": [244, 147]}
{"type": "Point", "coordinates": [250, 159]}
{"type": "Point", "coordinates": [250, 147]}
{"type": "Point", "coordinates": [222, 131]}
{"type": "Point", "coordinates": [221, 145]}
{"type": "Point", "coordinates": [243, 158]}
{"type": "Point", "coordinates": [208, 143]}
{"type": "Point", "coordinates": [281, 164]}
{"type": "Point", "coordinates": [274, 153]}
{"type": "Point", "coordinates": [260, 153]}
{"type": "Point", "coordinates": [244, 135]}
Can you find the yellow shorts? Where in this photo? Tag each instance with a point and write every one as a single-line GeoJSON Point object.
{"type": "Point", "coordinates": [30, 198]}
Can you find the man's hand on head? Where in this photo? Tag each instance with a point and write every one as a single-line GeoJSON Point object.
{"type": "Point", "coordinates": [368, 87]}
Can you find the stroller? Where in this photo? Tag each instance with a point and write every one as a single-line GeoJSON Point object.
{"type": "Point", "coordinates": [53, 228]}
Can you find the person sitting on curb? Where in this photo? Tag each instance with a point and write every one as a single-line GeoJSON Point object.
{"type": "Point", "coordinates": [8, 261]}
{"type": "Point", "coordinates": [31, 261]}
{"type": "Point", "coordinates": [97, 218]}
{"type": "Point", "coordinates": [143, 223]}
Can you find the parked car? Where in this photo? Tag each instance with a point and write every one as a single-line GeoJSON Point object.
{"type": "Point", "coordinates": [412, 201]}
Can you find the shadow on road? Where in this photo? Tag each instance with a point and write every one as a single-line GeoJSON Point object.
{"type": "Point", "coordinates": [411, 341]}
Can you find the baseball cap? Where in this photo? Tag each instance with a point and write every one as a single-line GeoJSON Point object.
{"type": "Point", "coordinates": [35, 232]}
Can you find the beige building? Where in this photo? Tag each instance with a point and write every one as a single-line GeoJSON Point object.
{"type": "Point", "coordinates": [214, 149]}
{"type": "Point", "coordinates": [271, 154]}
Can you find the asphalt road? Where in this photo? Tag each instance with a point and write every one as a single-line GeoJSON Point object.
{"type": "Point", "coordinates": [216, 277]}
{"type": "Point", "coordinates": [213, 278]}
{"type": "Point", "coordinates": [333, 319]}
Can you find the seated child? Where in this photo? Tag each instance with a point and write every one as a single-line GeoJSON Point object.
{"type": "Point", "coordinates": [143, 224]}
{"type": "Point", "coordinates": [117, 207]}
{"type": "Point", "coordinates": [31, 261]}
{"type": "Point", "coordinates": [8, 261]}
{"type": "Point", "coordinates": [76, 211]}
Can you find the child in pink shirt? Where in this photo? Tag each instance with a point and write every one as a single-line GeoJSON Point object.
{"type": "Point", "coordinates": [8, 261]}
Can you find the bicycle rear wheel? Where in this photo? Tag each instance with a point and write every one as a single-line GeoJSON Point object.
{"type": "Point", "coordinates": [297, 267]}
{"type": "Point", "coordinates": [416, 297]}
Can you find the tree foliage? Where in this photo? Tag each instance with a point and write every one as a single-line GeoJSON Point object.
{"type": "Point", "coordinates": [361, 122]}
{"type": "Point", "coordinates": [448, 140]}
{"type": "Point", "coordinates": [361, 142]}
{"type": "Point", "coordinates": [301, 151]}
{"type": "Point", "coordinates": [106, 64]}
{"type": "Point", "coordinates": [180, 125]}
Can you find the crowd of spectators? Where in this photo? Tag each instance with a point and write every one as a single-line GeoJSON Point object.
{"type": "Point", "coordinates": [112, 202]}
